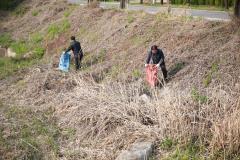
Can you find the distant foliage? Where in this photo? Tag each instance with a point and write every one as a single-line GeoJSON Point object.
{"type": "Point", "coordinates": [204, 2]}
{"type": "Point", "coordinates": [9, 4]}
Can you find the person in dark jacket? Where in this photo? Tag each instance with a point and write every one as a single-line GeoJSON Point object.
{"type": "Point", "coordinates": [156, 56]}
{"type": "Point", "coordinates": [77, 52]}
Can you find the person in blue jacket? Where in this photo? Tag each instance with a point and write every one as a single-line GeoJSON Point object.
{"type": "Point", "coordinates": [75, 46]}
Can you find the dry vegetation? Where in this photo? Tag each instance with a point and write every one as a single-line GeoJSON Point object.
{"type": "Point", "coordinates": [96, 113]}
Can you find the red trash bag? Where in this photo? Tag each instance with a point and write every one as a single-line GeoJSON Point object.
{"type": "Point", "coordinates": [152, 75]}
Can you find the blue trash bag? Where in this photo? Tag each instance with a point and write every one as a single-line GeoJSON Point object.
{"type": "Point", "coordinates": [64, 62]}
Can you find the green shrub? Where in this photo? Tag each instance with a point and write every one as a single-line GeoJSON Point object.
{"type": "Point", "coordinates": [35, 13]}
{"type": "Point", "coordinates": [136, 73]}
{"type": "Point", "coordinates": [5, 40]}
{"type": "Point", "coordinates": [38, 52]}
{"type": "Point", "coordinates": [20, 47]}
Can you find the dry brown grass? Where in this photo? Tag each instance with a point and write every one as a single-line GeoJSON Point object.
{"type": "Point", "coordinates": [106, 117]}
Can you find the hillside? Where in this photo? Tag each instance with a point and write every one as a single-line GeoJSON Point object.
{"type": "Point", "coordinates": [99, 111]}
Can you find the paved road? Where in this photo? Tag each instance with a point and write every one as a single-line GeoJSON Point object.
{"type": "Point", "coordinates": [210, 15]}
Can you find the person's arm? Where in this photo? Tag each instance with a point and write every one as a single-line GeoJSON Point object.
{"type": "Point", "coordinates": [161, 58]}
{"type": "Point", "coordinates": [148, 57]}
{"type": "Point", "coordinates": [69, 48]}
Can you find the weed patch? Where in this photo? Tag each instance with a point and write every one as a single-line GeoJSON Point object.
{"type": "Point", "coordinates": [29, 134]}
{"type": "Point", "coordinates": [208, 79]}
{"type": "Point", "coordinates": [20, 47]}
{"type": "Point", "coordinates": [5, 40]}
{"type": "Point", "coordinates": [198, 97]}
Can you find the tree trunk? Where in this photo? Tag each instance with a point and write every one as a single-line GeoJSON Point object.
{"type": "Point", "coordinates": [122, 4]}
{"type": "Point", "coordinates": [237, 8]}
{"type": "Point", "coordinates": [154, 1]}
{"type": "Point", "coordinates": [141, 1]}
{"type": "Point", "coordinates": [226, 4]}
{"type": "Point", "coordinates": [161, 2]}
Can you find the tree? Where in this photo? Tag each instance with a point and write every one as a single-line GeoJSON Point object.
{"type": "Point", "coordinates": [237, 8]}
{"type": "Point", "coordinates": [161, 2]}
{"type": "Point", "coordinates": [141, 1]}
{"type": "Point", "coordinates": [226, 4]}
{"type": "Point", "coordinates": [122, 4]}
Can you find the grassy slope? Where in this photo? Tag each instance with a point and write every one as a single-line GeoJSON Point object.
{"type": "Point", "coordinates": [203, 55]}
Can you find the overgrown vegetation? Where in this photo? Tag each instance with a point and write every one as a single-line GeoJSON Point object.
{"type": "Point", "coordinates": [28, 134]}
{"type": "Point", "coordinates": [55, 29]}
{"type": "Point", "coordinates": [208, 79]}
{"type": "Point", "coordinates": [5, 40]}
{"type": "Point", "coordinates": [9, 4]}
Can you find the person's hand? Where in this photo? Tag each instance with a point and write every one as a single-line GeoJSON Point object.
{"type": "Point", "coordinates": [146, 65]}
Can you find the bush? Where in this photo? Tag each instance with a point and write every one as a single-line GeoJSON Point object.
{"type": "Point", "coordinates": [9, 4]}
{"type": "Point", "coordinates": [5, 40]}
{"type": "Point", "coordinates": [38, 52]}
{"type": "Point", "coordinates": [20, 47]}
{"type": "Point", "coordinates": [34, 13]}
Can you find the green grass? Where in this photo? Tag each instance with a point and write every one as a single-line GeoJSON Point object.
{"type": "Point", "coordinates": [5, 40]}
{"type": "Point", "coordinates": [20, 47]}
{"type": "Point", "coordinates": [208, 79]}
{"type": "Point", "coordinates": [28, 134]}
{"type": "Point", "coordinates": [35, 13]}
{"type": "Point", "coordinates": [168, 144]}
{"type": "Point", "coordinates": [36, 38]}
{"type": "Point", "coordinates": [38, 52]}
{"type": "Point", "coordinates": [198, 97]}
{"type": "Point", "coordinates": [8, 66]}
{"type": "Point", "coordinates": [130, 18]}
{"type": "Point", "coordinates": [189, 151]}
{"type": "Point", "coordinates": [66, 13]}
{"type": "Point", "coordinates": [54, 30]}
{"type": "Point", "coordinates": [136, 74]}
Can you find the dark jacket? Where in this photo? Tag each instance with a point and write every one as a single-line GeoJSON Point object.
{"type": "Point", "coordinates": [75, 47]}
{"type": "Point", "coordinates": [156, 58]}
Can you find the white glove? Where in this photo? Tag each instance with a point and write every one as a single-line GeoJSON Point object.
{"type": "Point", "coordinates": [158, 65]}
{"type": "Point", "coordinates": [146, 65]}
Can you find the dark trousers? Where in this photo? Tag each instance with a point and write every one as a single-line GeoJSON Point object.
{"type": "Point", "coordinates": [78, 59]}
{"type": "Point", "coordinates": [164, 70]}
